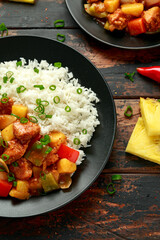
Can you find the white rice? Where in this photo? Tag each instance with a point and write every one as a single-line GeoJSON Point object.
{"type": "Point", "coordinates": [83, 114]}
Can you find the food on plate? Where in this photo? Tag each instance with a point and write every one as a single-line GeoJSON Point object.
{"type": "Point", "coordinates": [132, 16]}
{"type": "Point", "coordinates": [46, 116]}
{"type": "Point", "coordinates": [145, 139]}
{"type": "Point", "coordinates": [150, 72]}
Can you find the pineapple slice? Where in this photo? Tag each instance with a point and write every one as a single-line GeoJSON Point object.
{"type": "Point", "coordinates": [141, 145]}
{"type": "Point", "coordinates": [150, 110]}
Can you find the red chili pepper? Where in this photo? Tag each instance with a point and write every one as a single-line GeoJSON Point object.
{"type": "Point", "coordinates": [150, 72]}
{"type": "Point", "coordinates": [69, 153]}
{"type": "Point", "coordinates": [5, 188]}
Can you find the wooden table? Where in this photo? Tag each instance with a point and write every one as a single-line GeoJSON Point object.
{"type": "Point", "coordinates": [134, 211]}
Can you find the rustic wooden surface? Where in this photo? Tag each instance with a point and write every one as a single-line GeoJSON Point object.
{"type": "Point", "coordinates": [134, 211]}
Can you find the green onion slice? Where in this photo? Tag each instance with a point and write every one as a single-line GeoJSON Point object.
{"type": "Point", "coordinates": [4, 95]}
{"type": "Point", "coordinates": [19, 63]}
{"type": "Point", "coordinates": [38, 101]}
{"type": "Point", "coordinates": [36, 70]}
{"type": "Point", "coordinates": [33, 119]}
{"type": "Point", "coordinates": [5, 79]}
{"type": "Point", "coordinates": [9, 74]}
{"type": "Point", "coordinates": [4, 143]}
{"type": "Point", "coordinates": [45, 103]}
{"type": "Point", "coordinates": [39, 146]}
{"type": "Point", "coordinates": [48, 150]}
{"type": "Point", "coordinates": [41, 87]}
{"type": "Point", "coordinates": [21, 89]}
{"type": "Point", "coordinates": [12, 79]}
{"type": "Point", "coordinates": [76, 141]}
{"type": "Point", "coordinates": [39, 109]}
{"type": "Point", "coordinates": [79, 90]}
{"type": "Point", "coordinates": [2, 169]}
{"type": "Point", "coordinates": [67, 109]}
{"type": "Point", "coordinates": [42, 175]}
{"type": "Point", "coordinates": [15, 164]}
{"type": "Point", "coordinates": [0, 86]}
{"type": "Point", "coordinates": [23, 120]}
{"type": "Point", "coordinates": [49, 116]}
{"type": "Point", "coordinates": [61, 37]}
{"type": "Point", "coordinates": [45, 140]}
{"type": "Point", "coordinates": [59, 23]}
{"type": "Point", "coordinates": [11, 177]}
{"type": "Point", "coordinates": [5, 157]}
{"type": "Point", "coordinates": [14, 183]}
{"type": "Point", "coordinates": [84, 131]}
{"type": "Point", "coordinates": [52, 87]}
{"type": "Point", "coordinates": [56, 99]}
{"type": "Point", "coordinates": [42, 116]}
{"type": "Point", "coordinates": [111, 186]}
{"type": "Point", "coordinates": [129, 111]}
{"type": "Point", "coordinates": [15, 115]}
{"type": "Point", "coordinates": [116, 177]}
{"type": "Point", "coordinates": [58, 64]}
{"type": "Point", "coordinates": [4, 99]}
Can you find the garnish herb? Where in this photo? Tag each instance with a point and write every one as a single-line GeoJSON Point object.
{"type": "Point", "coordinates": [129, 111]}
{"type": "Point", "coordinates": [84, 131]}
{"type": "Point", "coordinates": [11, 177]}
{"type": "Point", "coordinates": [23, 120]}
{"type": "Point", "coordinates": [61, 37]}
{"type": "Point", "coordinates": [79, 90]}
{"type": "Point", "coordinates": [9, 74]}
{"type": "Point", "coordinates": [39, 109]}
{"type": "Point", "coordinates": [21, 89]}
{"type": "Point", "coordinates": [2, 169]}
{"type": "Point", "coordinates": [36, 70]}
{"type": "Point", "coordinates": [39, 146]}
{"type": "Point", "coordinates": [58, 64]}
{"type": "Point", "coordinates": [48, 150]}
{"type": "Point", "coordinates": [15, 164]}
{"type": "Point", "coordinates": [42, 116]}
{"type": "Point", "coordinates": [5, 79]}
{"type": "Point", "coordinates": [12, 79]}
{"type": "Point", "coordinates": [67, 109]}
{"type": "Point", "coordinates": [45, 103]}
{"type": "Point", "coordinates": [56, 99]}
{"type": "Point", "coordinates": [14, 183]}
{"type": "Point", "coordinates": [5, 157]}
{"type": "Point", "coordinates": [59, 23]}
{"type": "Point", "coordinates": [4, 98]}
{"type": "Point", "coordinates": [111, 186]}
{"type": "Point", "coordinates": [15, 115]}
{"type": "Point", "coordinates": [116, 177]}
{"type": "Point", "coordinates": [52, 87]}
{"type": "Point", "coordinates": [41, 87]}
{"type": "Point", "coordinates": [45, 140]}
{"type": "Point", "coordinates": [33, 119]}
{"type": "Point", "coordinates": [42, 175]}
{"type": "Point", "coordinates": [3, 28]}
{"type": "Point", "coordinates": [76, 141]}
{"type": "Point", "coordinates": [4, 143]}
{"type": "Point", "coordinates": [48, 116]}
{"type": "Point", "coordinates": [19, 63]}
{"type": "Point", "coordinates": [38, 101]}
{"type": "Point", "coordinates": [130, 76]}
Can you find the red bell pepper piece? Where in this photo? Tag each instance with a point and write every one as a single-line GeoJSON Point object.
{"type": "Point", "coordinates": [136, 26]}
{"type": "Point", "coordinates": [69, 153]}
{"type": "Point", "coordinates": [150, 72]}
{"type": "Point", "coordinates": [5, 188]}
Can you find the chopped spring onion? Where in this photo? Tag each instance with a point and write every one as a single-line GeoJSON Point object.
{"type": "Point", "coordinates": [11, 177]}
{"type": "Point", "coordinates": [45, 140]}
{"type": "Point", "coordinates": [56, 99]}
{"type": "Point", "coordinates": [2, 169]}
{"type": "Point", "coordinates": [19, 63]}
{"type": "Point", "coordinates": [76, 141]}
{"type": "Point", "coordinates": [21, 89]}
{"type": "Point", "coordinates": [3, 28]}
{"type": "Point", "coordinates": [116, 177]}
{"type": "Point", "coordinates": [14, 183]}
{"type": "Point", "coordinates": [4, 99]}
{"type": "Point", "coordinates": [41, 87]}
{"type": "Point", "coordinates": [84, 131]}
{"type": "Point", "coordinates": [4, 95]}
{"type": "Point", "coordinates": [61, 37]}
{"type": "Point", "coordinates": [33, 119]}
{"type": "Point", "coordinates": [42, 175]}
{"type": "Point", "coordinates": [52, 87]}
{"type": "Point", "coordinates": [42, 116]}
{"type": "Point", "coordinates": [36, 70]}
{"type": "Point", "coordinates": [39, 109]}
{"type": "Point", "coordinates": [15, 164]}
{"type": "Point", "coordinates": [4, 143]}
{"type": "Point", "coordinates": [39, 146]}
{"type": "Point", "coordinates": [23, 120]}
{"type": "Point", "coordinates": [5, 157]}
{"type": "Point", "coordinates": [5, 79]}
{"type": "Point", "coordinates": [58, 64]}
{"type": "Point", "coordinates": [67, 109]}
{"type": "Point", "coordinates": [45, 103]}
{"type": "Point", "coordinates": [12, 79]}
{"type": "Point", "coordinates": [48, 150]}
{"type": "Point", "coordinates": [0, 86]}
{"type": "Point", "coordinates": [15, 115]}
{"type": "Point", "coordinates": [49, 116]}
{"type": "Point", "coordinates": [38, 101]}
{"type": "Point", "coordinates": [79, 90]}
{"type": "Point", "coordinates": [129, 111]}
{"type": "Point", "coordinates": [9, 74]}
{"type": "Point", "coordinates": [111, 186]}
{"type": "Point", "coordinates": [59, 23]}
{"type": "Point", "coordinates": [130, 76]}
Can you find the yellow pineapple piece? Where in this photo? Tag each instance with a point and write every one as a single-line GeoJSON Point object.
{"type": "Point", "coordinates": [134, 9]}
{"type": "Point", "coordinates": [66, 166]}
{"type": "Point", "coordinates": [141, 145]}
{"type": "Point", "coordinates": [7, 133]}
{"type": "Point", "coordinates": [150, 110]}
{"type": "Point", "coordinates": [111, 5]}
{"type": "Point", "coordinates": [19, 110]}
{"type": "Point", "coordinates": [57, 138]}
{"type": "Point", "coordinates": [6, 120]}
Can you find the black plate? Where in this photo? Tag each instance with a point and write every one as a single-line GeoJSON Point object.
{"type": "Point", "coordinates": [117, 38]}
{"type": "Point", "coordinates": [97, 155]}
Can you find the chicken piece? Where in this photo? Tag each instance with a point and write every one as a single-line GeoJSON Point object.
{"type": "Point", "coordinates": [25, 131]}
{"type": "Point", "coordinates": [92, 1]}
{"type": "Point", "coordinates": [152, 19]}
{"type": "Point", "coordinates": [51, 158]}
{"type": "Point", "coordinates": [6, 108]}
{"type": "Point", "coordinates": [99, 7]}
{"type": "Point", "coordinates": [15, 150]}
{"type": "Point", "coordinates": [118, 20]}
{"type": "Point", "coordinates": [23, 170]}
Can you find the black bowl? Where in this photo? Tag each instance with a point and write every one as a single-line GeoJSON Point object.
{"type": "Point", "coordinates": [97, 155]}
{"type": "Point", "coordinates": [117, 38]}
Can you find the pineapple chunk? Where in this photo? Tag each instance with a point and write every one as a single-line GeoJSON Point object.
{"type": "Point", "coordinates": [7, 133]}
{"type": "Point", "coordinates": [21, 190]}
{"type": "Point", "coordinates": [141, 145]}
{"type": "Point", "coordinates": [19, 110]}
{"type": "Point", "coordinates": [106, 26]}
{"type": "Point", "coordinates": [6, 120]}
{"type": "Point", "coordinates": [134, 9]}
{"type": "Point", "coordinates": [91, 10]}
{"type": "Point", "coordinates": [111, 5]}
{"type": "Point", "coordinates": [66, 166]}
{"type": "Point", "coordinates": [22, 186]}
{"type": "Point", "coordinates": [150, 110]}
{"type": "Point", "coordinates": [57, 138]}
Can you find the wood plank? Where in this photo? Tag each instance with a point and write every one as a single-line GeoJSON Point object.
{"type": "Point", "coordinates": [112, 62]}
{"type": "Point", "coordinates": [132, 213]}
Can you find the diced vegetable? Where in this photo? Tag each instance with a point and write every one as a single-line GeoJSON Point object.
{"type": "Point", "coordinates": [5, 187]}
{"type": "Point", "coordinates": [66, 166]}
{"type": "Point", "coordinates": [65, 181]}
{"type": "Point", "coordinates": [111, 5]}
{"type": "Point", "coordinates": [36, 171]}
{"type": "Point", "coordinates": [22, 186]}
{"type": "Point", "coordinates": [134, 9]}
{"type": "Point", "coordinates": [136, 26]}
{"type": "Point", "coordinates": [49, 183]}
{"type": "Point", "coordinates": [35, 139]}
{"type": "Point", "coordinates": [19, 110]}
{"type": "Point", "coordinates": [21, 190]}
{"type": "Point", "coordinates": [56, 139]}
{"type": "Point", "coordinates": [6, 120]}
{"type": "Point", "coordinates": [91, 10]}
{"type": "Point", "coordinates": [7, 133]}
{"type": "Point", "coordinates": [69, 153]}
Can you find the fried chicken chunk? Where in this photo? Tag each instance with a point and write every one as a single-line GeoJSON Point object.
{"type": "Point", "coordinates": [6, 108]}
{"type": "Point", "coordinates": [152, 19]}
{"type": "Point", "coordinates": [23, 170]}
{"type": "Point", "coordinates": [117, 20]}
